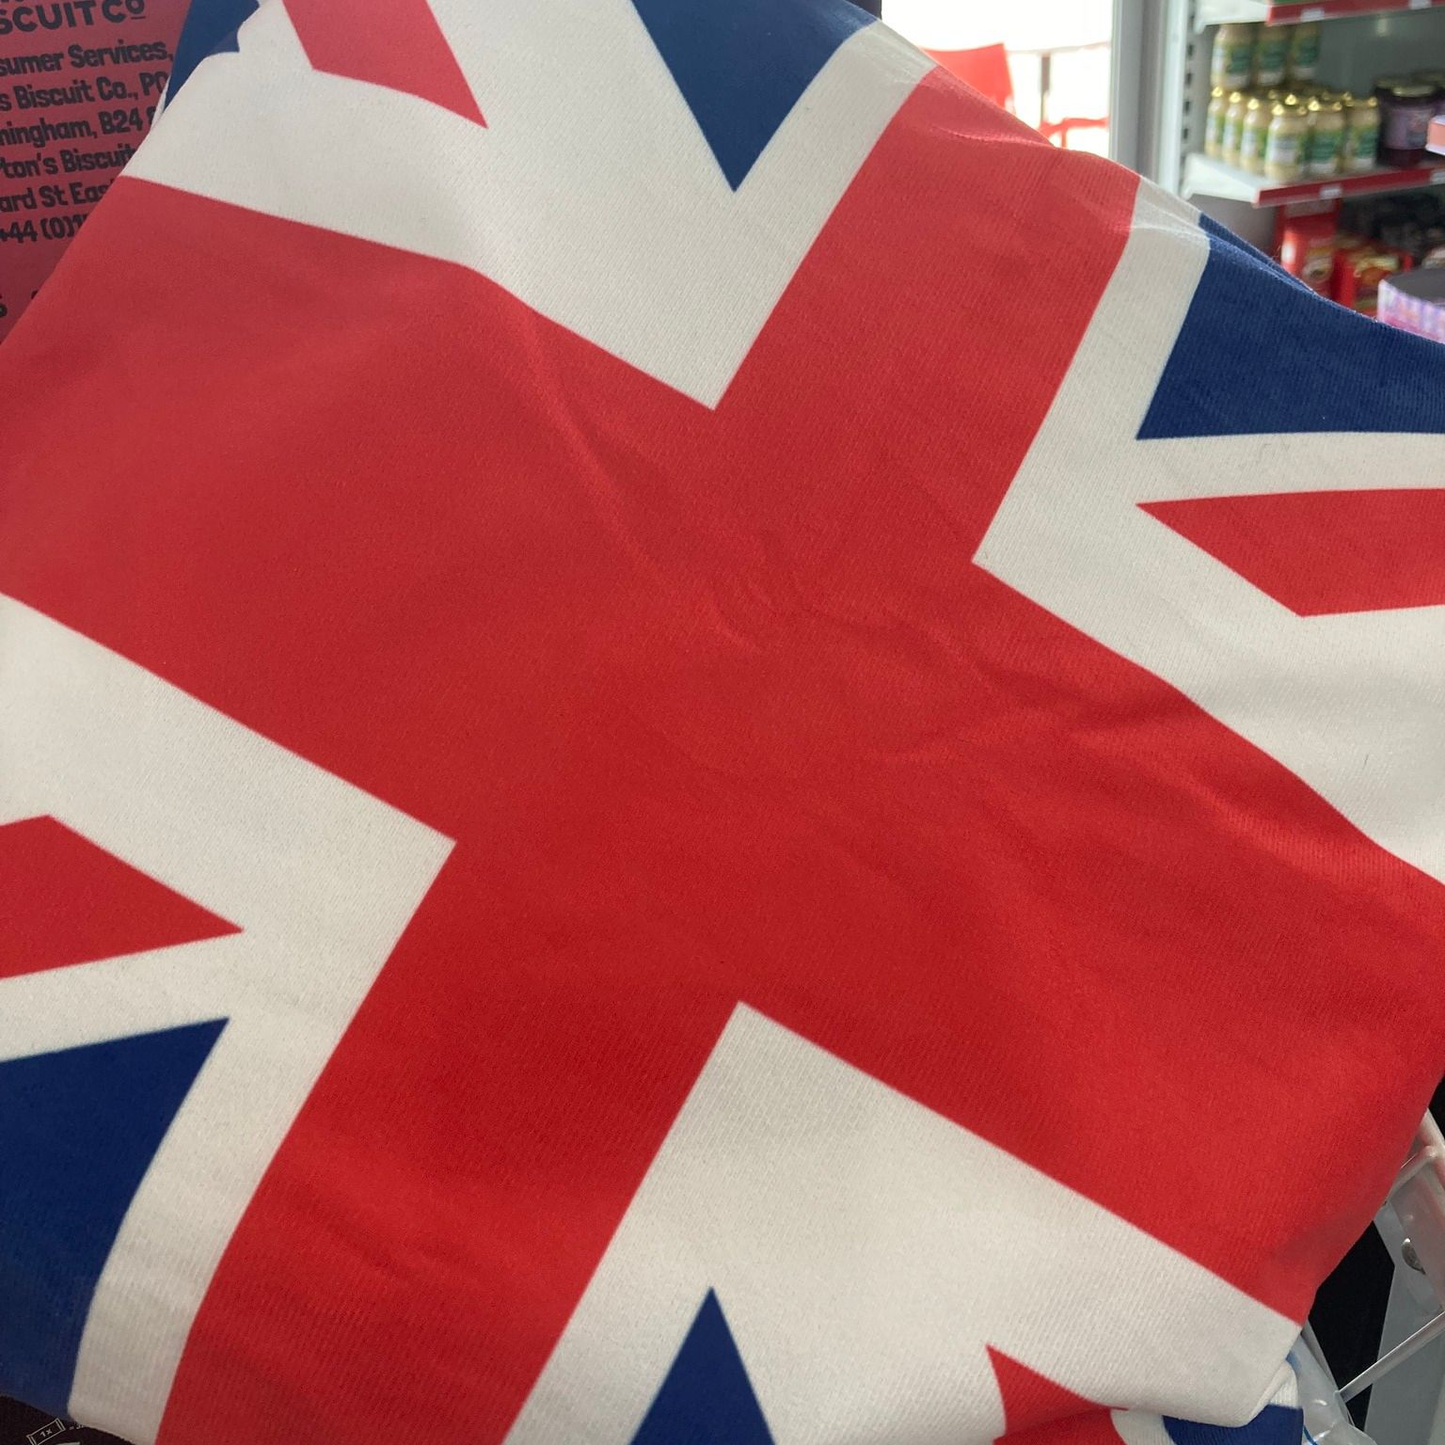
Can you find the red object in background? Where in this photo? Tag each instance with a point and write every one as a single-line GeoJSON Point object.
{"type": "Point", "coordinates": [985, 69]}
{"type": "Point", "coordinates": [1359, 271]}
{"type": "Point", "coordinates": [1307, 247]}
{"type": "Point", "coordinates": [1058, 131]}
{"type": "Point", "coordinates": [1287, 215]}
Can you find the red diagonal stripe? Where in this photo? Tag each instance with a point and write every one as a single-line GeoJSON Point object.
{"type": "Point", "coordinates": [1031, 1400]}
{"type": "Point", "coordinates": [1325, 552]}
{"type": "Point", "coordinates": [399, 45]}
{"type": "Point", "coordinates": [65, 901]}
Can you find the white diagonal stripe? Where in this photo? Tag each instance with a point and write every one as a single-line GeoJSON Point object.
{"type": "Point", "coordinates": [320, 878]}
{"type": "Point", "coordinates": [867, 1252]}
{"type": "Point", "coordinates": [676, 275]}
{"type": "Point", "coordinates": [1354, 704]}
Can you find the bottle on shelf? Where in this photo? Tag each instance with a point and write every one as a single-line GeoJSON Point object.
{"type": "Point", "coordinates": [1406, 110]}
{"type": "Point", "coordinates": [1304, 51]}
{"type": "Point", "coordinates": [1254, 136]}
{"type": "Point", "coordinates": [1362, 138]}
{"type": "Point", "coordinates": [1233, 140]}
{"type": "Point", "coordinates": [1233, 59]}
{"type": "Point", "coordinates": [1214, 123]}
{"type": "Point", "coordinates": [1327, 126]}
{"type": "Point", "coordinates": [1271, 55]}
{"type": "Point", "coordinates": [1286, 150]}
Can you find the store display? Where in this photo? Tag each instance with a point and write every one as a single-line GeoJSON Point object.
{"type": "Point", "coordinates": [1260, 72]}
{"type": "Point", "coordinates": [1344, 134]}
{"type": "Point", "coordinates": [1347, 252]}
{"type": "Point", "coordinates": [1246, 55]}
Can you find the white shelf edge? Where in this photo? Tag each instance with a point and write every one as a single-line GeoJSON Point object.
{"type": "Point", "coordinates": [1250, 12]}
{"type": "Point", "coordinates": [1204, 176]}
{"type": "Point", "coordinates": [1229, 12]}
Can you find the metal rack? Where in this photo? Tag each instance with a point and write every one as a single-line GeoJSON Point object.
{"type": "Point", "coordinates": [1407, 1405]}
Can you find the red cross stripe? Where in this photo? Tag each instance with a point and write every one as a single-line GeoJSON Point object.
{"type": "Point", "coordinates": [65, 901]}
{"type": "Point", "coordinates": [398, 45]}
{"type": "Point", "coordinates": [1324, 553]}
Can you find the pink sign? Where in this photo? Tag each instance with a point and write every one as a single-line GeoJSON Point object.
{"type": "Point", "coordinates": [79, 84]}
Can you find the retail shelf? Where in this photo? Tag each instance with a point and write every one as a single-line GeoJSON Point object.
{"type": "Point", "coordinates": [1206, 177]}
{"type": "Point", "coordinates": [1222, 12]}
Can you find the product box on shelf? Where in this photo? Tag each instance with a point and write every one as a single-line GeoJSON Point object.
{"type": "Point", "coordinates": [1307, 246]}
{"type": "Point", "coordinates": [1360, 268]}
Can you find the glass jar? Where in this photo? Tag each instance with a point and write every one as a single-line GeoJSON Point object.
{"type": "Point", "coordinates": [1327, 126]}
{"type": "Point", "coordinates": [1214, 123]}
{"type": "Point", "coordinates": [1362, 139]}
{"type": "Point", "coordinates": [1255, 134]}
{"type": "Point", "coordinates": [1405, 115]}
{"type": "Point", "coordinates": [1233, 127]}
{"type": "Point", "coordinates": [1286, 150]}
{"type": "Point", "coordinates": [1304, 50]}
{"type": "Point", "coordinates": [1233, 62]}
{"type": "Point", "coordinates": [1271, 54]}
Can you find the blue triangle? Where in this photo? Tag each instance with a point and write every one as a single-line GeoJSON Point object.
{"type": "Point", "coordinates": [210, 29]}
{"type": "Point", "coordinates": [742, 65]}
{"type": "Point", "coordinates": [707, 1398]}
{"type": "Point", "coordinates": [78, 1130]}
{"type": "Point", "coordinates": [1274, 1425]}
{"type": "Point", "coordinates": [1261, 354]}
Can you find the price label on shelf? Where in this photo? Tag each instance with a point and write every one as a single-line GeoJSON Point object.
{"type": "Point", "coordinates": [1421, 4]}
{"type": "Point", "coordinates": [1437, 177]}
{"type": "Point", "coordinates": [1331, 193]}
{"type": "Point", "coordinates": [1312, 12]}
